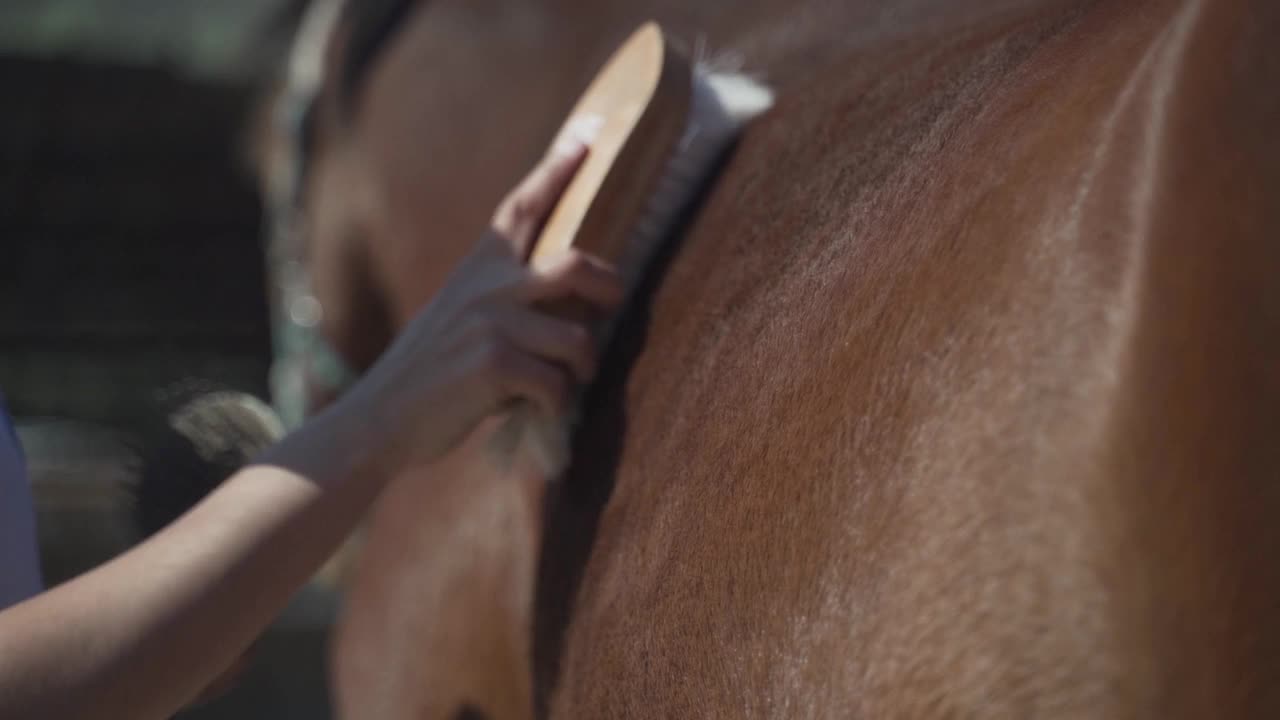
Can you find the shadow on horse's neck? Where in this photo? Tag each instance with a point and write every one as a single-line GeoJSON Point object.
{"type": "Point", "coordinates": [574, 506]}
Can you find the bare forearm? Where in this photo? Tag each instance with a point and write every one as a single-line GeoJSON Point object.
{"type": "Point", "coordinates": [142, 635]}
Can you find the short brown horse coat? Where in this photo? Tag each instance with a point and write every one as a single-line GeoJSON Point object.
{"type": "Point", "coordinates": [958, 397]}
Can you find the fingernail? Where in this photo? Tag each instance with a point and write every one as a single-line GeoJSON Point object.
{"type": "Point", "coordinates": [569, 147]}
{"type": "Point", "coordinates": [580, 131]}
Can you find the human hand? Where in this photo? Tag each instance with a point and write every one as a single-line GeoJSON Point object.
{"type": "Point", "coordinates": [483, 344]}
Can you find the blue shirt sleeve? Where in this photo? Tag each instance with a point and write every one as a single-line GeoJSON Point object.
{"type": "Point", "coordinates": [19, 556]}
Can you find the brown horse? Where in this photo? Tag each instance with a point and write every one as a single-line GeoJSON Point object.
{"type": "Point", "coordinates": [957, 397]}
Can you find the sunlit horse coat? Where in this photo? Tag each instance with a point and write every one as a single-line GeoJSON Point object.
{"type": "Point", "coordinates": [959, 396]}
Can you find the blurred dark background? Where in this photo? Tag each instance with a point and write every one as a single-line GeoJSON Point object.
{"type": "Point", "coordinates": [130, 223]}
{"type": "Point", "coordinates": [131, 262]}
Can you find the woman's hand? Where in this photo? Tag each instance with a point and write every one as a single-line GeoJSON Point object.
{"type": "Point", "coordinates": [482, 343]}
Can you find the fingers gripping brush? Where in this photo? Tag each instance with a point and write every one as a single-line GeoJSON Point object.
{"type": "Point", "coordinates": [661, 124]}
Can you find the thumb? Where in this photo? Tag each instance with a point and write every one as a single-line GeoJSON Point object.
{"type": "Point", "coordinates": [522, 215]}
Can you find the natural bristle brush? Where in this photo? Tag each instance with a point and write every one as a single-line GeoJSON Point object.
{"type": "Point", "coordinates": [661, 123]}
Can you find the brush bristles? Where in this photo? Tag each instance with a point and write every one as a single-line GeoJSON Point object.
{"type": "Point", "coordinates": [722, 103]}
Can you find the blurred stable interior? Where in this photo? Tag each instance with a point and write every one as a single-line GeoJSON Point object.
{"type": "Point", "coordinates": [132, 260]}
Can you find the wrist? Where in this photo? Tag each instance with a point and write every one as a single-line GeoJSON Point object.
{"type": "Point", "coordinates": [331, 447]}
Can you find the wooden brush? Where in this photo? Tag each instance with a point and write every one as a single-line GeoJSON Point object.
{"type": "Point", "coordinates": [661, 123]}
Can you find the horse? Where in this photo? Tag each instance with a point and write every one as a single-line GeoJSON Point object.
{"type": "Point", "coordinates": [957, 395]}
